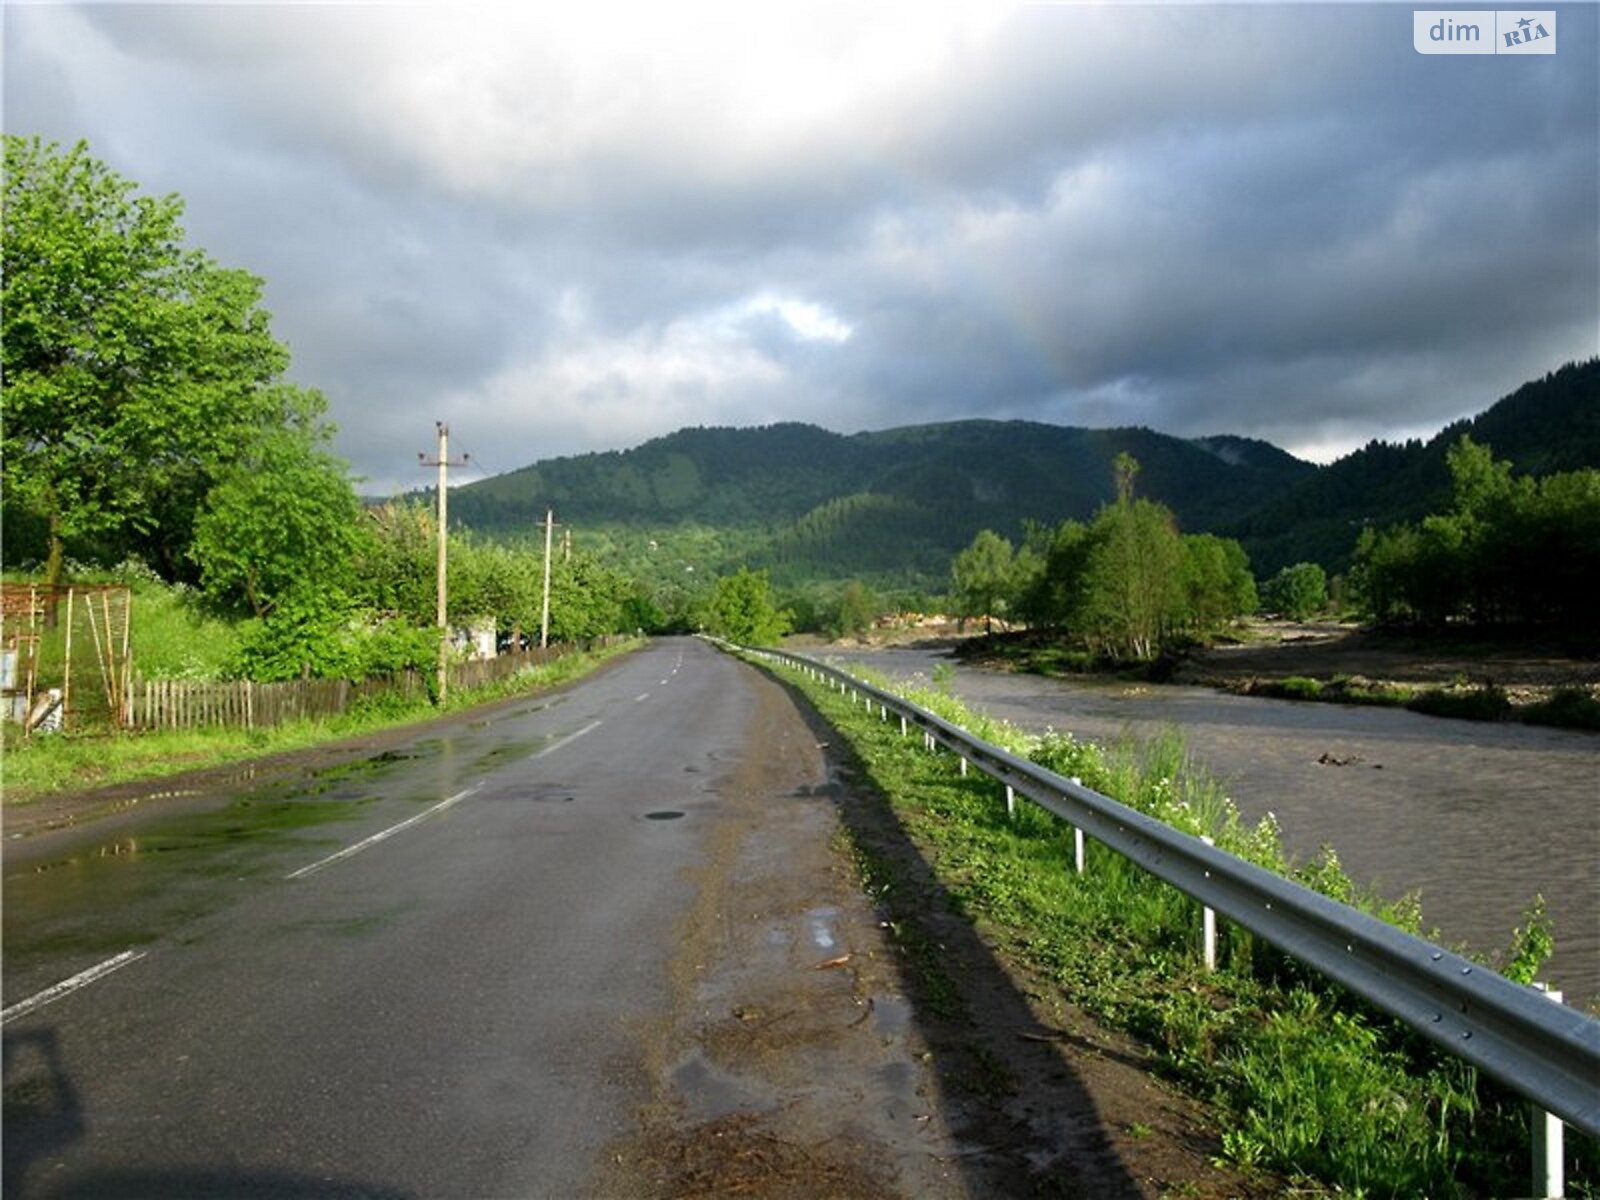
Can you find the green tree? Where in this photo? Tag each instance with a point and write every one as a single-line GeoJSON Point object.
{"type": "Point", "coordinates": [282, 516]}
{"type": "Point", "coordinates": [980, 577]}
{"type": "Point", "coordinates": [1217, 583]}
{"type": "Point", "coordinates": [740, 608]}
{"type": "Point", "coordinates": [1296, 592]}
{"type": "Point", "coordinates": [1507, 550]}
{"type": "Point", "coordinates": [858, 608]}
{"type": "Point", "coordinates": [134, 367]}
{"type": "Point", "coordinates": [1131, 596]}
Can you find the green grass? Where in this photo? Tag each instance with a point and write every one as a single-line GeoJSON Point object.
{"type": "Point", "coordinates": [1568, 708]}
{"type": "Point", "coordinates": [171, 635]}
{"type": "Point", "coordinates": [46, 764]}
{"type": "Point", "coordinates": [1305, 1078]}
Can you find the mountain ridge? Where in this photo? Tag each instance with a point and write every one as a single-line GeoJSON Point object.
{"type": "Point", "coordinates": [809, 503]}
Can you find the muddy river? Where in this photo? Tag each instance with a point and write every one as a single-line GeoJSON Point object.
{"type": "Point", "coordinates": [1476, 817]}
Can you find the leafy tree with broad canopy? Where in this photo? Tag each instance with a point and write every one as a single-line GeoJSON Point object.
{"type": "Point", "coordinates": [980, 577]}
{"type": "Point", "coordinates": [282, 516]}
{"type": "Point", "coordinates": [1296, 592]}
{"type": "Point", "coordinates": [136, 369]}
{"type": "Point", "coordinates": [741, 609]}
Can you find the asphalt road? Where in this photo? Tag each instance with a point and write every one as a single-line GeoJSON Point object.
{"type": "Point", "coordinates": [609, 942]}
{"type": "Point", "coordinates": [430, 974]}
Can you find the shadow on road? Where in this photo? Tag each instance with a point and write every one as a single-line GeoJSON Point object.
{"type": "Point", "coordinates": [220, 1184]}
{"type": "Point", "coordinates": [43, 1117]}
{"type": "Point", "coordinates": [42, 1112]}
{"type": "Point", "coordinates": [1029, 1125]}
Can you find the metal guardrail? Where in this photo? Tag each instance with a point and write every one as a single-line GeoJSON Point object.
{"type": "Point", "coordinates": [1548, 1053]}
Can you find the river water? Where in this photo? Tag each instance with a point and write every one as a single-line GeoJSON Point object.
{"type": "Point", "coordinates": [1477, 817]}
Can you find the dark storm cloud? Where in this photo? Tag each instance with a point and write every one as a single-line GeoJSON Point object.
{"type": "Point", "coordinates": [564, 233]}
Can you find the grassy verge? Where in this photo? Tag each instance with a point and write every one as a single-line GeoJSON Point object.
{"type": "Point", "coordinates": [42, 765]}
{"type": "Point", "coordinates": [1305, 1078]}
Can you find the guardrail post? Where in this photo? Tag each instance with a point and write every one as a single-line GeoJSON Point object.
{"type": "Point", "coordinates": [963, 766]}
{"type": "Point", "coordinates": [1549, 1138]}
{"type": "Point", "coordinates": [1208, 928]}
{"type": "Point", "coordinates": [1078, 853]}
{"type": "Point", "coordinates": [1011, 801]}
{"type": "Point", "coordinates": [902, 727]}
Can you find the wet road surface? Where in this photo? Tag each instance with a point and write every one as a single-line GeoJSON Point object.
{"type": "Point", "coordinates": [450, 970]}
{"type": "Point", "coordinates": [610, 942]}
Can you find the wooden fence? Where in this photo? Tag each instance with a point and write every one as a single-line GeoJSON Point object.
{"type": "Point", "coordinates": [190, 704]}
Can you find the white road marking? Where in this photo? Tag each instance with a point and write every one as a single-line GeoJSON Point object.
{"type": "Point", "coordinates": [571, 737]}
{"type": "Point", "coordinates": [382, 834]}
{"type": "Point", "coordinates": [66, 986]}
{"type": "Point", "coordinates": [641, 697]}
{"type": "Point", "coordinates": [663, 683]}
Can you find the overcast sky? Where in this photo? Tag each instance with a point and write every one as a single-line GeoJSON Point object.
{"type": "Point", "coordinates": [570, 228]}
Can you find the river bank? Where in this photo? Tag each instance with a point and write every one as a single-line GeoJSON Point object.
{"type": "Point", "coordinates": [1471, 677]}
{"type": "Point", "coordinates": [1478, 817]}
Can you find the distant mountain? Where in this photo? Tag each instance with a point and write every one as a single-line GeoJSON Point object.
{"type": "Point", "coordinates": [1551, 424]}
{"type": "Point", "coordinates": [891, 505]}
{"type": "Point", "coordinates": [894, 506]}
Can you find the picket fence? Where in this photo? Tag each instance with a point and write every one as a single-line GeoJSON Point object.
{"type": "Point", "coordinates": [192, 704]}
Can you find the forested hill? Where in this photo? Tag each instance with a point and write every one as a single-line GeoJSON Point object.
{"type": "Point", "coordinates": [893, 504]}
{"type": "Point", "coordinates": [1550, 424]}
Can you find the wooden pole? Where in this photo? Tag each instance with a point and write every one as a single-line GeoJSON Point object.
{"type": "Point", "coordinates": [127, 657]}
{"type": "Point", "coordinates": [66, 674]}
{"type": "Point", "coordinates": [444, 464]}
{"type": "Point", "coordinates": [544, 617]}
{"type": "Point", "coordinates": [444, 633]}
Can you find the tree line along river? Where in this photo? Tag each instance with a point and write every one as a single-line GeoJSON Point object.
{"type": "Point", "coordinates": [1477, 817]}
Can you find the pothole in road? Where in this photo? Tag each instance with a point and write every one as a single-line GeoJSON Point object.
{"type": "Point", "coordinates": [665, 814]}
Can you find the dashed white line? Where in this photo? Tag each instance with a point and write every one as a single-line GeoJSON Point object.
{"type": "Point", "coordinates": [641, 697]}
{"type": "Point", "coordinates": [571, 737]}
{"type": "Point", "coordinates": [66, 986]}
{"type": "Point", "coordinates": [358, 847]}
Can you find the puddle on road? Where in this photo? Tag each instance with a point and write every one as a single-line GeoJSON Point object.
{"type": "Point", "coordinates": [136, 888]}
{"type": "Point", "coordinates": [891, 1015]}
{"type": "Point", "coordinates": [820, 927]}
{"type": "Point", "coordinates": [709, 1092]}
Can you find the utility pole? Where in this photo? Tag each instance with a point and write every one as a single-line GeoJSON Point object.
{"type": "Point", "coordinates": [444, 464]}
{"type": "Point", "coordinates": [544, 617]}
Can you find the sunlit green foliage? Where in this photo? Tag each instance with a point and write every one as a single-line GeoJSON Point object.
{"type": "Point", "coordinates": [981, 578]}
{"type": "Point", "coordinates": [741, 609]}
{"type": "Point", "coordinates": [1307, 1079]}
{"type": "Point", "coordinates": [1296, 592]}
{"type": "Point", "coordinates": [136, 369]}
{"type": "Point", "coordinates": [1127, 584]}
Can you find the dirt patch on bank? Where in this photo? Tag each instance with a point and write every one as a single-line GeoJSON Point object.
{"type": "Point", "coordinates": [1325, 651]}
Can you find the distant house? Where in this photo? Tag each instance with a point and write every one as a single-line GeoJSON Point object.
{"type": "Point", "coordinates": [477, 638]}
